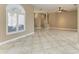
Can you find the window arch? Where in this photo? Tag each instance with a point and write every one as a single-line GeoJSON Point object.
{"type": "Point", "coordinates": [15, 16]}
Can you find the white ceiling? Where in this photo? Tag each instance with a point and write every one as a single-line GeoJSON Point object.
{"type": "Point", "coordinates": [53, 7]}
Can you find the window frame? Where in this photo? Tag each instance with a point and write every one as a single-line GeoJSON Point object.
{"type": "Point", "coordinates": [17, 31]}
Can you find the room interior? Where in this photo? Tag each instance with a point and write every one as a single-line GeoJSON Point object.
{"type": "Point", "coordinates": [57, 19]}
{"type": "Point", "coordinates": [39, 28]}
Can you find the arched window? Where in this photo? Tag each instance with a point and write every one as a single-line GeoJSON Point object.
{"type": "Point", "coordinates": [15, 16]}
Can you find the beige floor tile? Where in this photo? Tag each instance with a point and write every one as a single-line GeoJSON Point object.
{"type": "Point", "coordinates": [44, 42]}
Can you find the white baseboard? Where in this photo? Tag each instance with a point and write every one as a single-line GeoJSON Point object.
{"type": "Point", "coordinates": [11, 40]}
{"type": "Point", "coordinates": [70, 29]}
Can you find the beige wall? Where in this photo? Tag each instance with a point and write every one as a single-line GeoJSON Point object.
{"type": "Point", "coordinates": [63, 20]}
{"type": "Point", "coordinates": [78, 18]}
{"type": "Point", "coordinates": [52, 19]}
{"type": "Point", "coordinates": [29, 23]}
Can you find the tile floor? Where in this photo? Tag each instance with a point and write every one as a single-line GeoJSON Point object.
{"type": "Point", "coordinates": [44, 42]}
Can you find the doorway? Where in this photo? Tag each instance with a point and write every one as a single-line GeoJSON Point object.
{"type": "Point", "coordinates": [40, 21]}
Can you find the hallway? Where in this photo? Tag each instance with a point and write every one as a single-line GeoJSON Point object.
{"type": "Point", "coordinates": [44, 41]}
